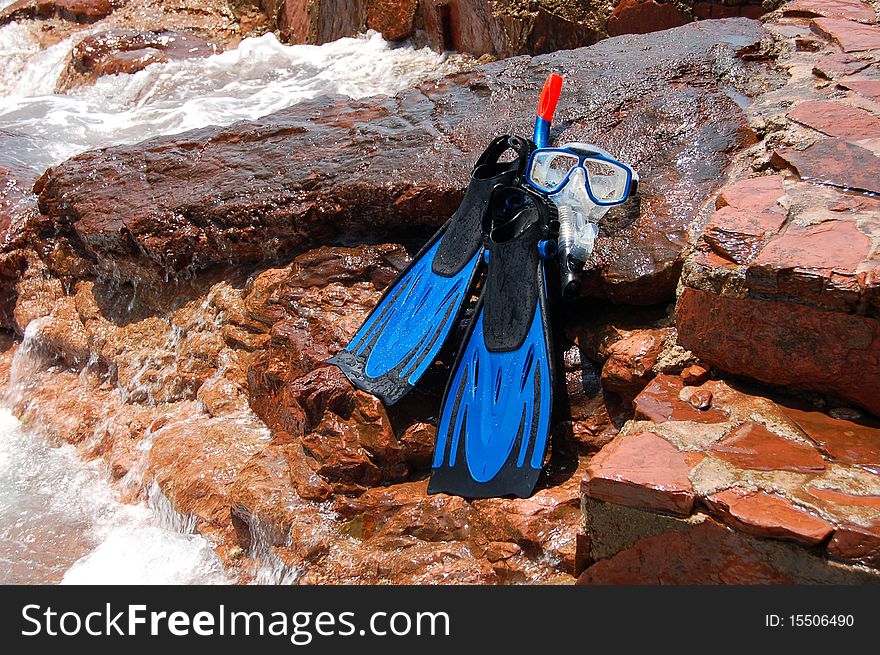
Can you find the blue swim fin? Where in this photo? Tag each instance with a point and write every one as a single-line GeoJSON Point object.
{"type": "Point", "coordinates": [495, 418]}
{"type": "Point", "coordinates": [402, 336]}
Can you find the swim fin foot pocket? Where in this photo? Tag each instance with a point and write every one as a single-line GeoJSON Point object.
{"type": "Point", "coordinates": [402, 336]}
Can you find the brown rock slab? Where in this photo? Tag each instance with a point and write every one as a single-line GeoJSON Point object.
{"type": "Point", "coordinates": [847, 9]}
{"type": "Point", "coordinates": [829, 246]}
{"type": "Point", "coordinates": [849, 35]}
{"type": "Point", "coordinates": [856, 543]}
{"type": "Point", "coordinates": [748, 211]}
{"type": "Point", "coordinates": [752, 446]}
{"type": "Point", "coordinates": [643, 16]}
{"type": "Point", "coordinates": [80, 11]}
{"type": "Point", "coordinates": [765, 515]}
{"type": "Point", "coordinates": [641, 470]}
{"type": "Point", "coordinates": [707, 553]}
{"type": "Point", "coordinates": [836, 162]}
{"type": "Point", "coordinates": [843, 498]}
{"type": "Point", "coordinates": [847, 441]}
{"type": "Point", "coordinates": [661, 401]}
{"type": "Point", "coordinates": [837, 119]}
{"type": "Point", "coordinates": [864, 86]}
{"type": "Point", "coordinates": [784, 343]}
{"type": "Point", "coordinates": [832, 67]}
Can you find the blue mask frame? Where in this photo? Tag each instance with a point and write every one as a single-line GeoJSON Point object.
{"type": "Point", "coordinates": [583, 154]}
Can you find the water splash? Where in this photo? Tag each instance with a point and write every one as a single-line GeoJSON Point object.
{"type": "Point", "coordinates": [259, 77]}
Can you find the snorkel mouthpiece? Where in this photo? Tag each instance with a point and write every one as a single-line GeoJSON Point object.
{"type": "Point", "coordinates": [546, 108]}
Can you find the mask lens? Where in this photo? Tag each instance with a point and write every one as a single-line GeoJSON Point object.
{"type": "Point", "coordinates": [608, 181]}
{"type": "Point", "coordinates": [550, 168]}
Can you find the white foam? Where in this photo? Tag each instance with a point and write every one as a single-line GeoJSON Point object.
{"type": "Point", "coordinates": [148, 555]}
{"type": "Point", "coordinates": [60, 517]}
{"type": "Point", "coordinates": [259, 77]}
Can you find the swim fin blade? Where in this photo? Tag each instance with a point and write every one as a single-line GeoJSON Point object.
{"type": "Point", "coordinates": [494, 424]}
{"type": "Point", "coordinates": [402, 336]}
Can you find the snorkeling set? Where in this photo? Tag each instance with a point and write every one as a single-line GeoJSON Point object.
{"type": "Point", "coordinates": [519, 217]}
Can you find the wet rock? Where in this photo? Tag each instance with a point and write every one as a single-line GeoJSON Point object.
{"type": "Point", "coordinates": [764, 515]}
{"type": "Point", "coordinates": [784, 343]}
{"type": "Point", "coordinates": [850, 441]}
{"type": "Point", "coordinates": [641, 470]}
{"type": "Point", "coordinates": [835, 161]}
{"type": "Point", "coordinates": [662, 401]}
{"type": "Point", "coordinates": [837, 119]}
{"type": "Point", "coordinates": [849, 35]}
{"type": "Point", "coordinates": [643, 16]}
{"type": "Point", "coordinates": [752, 446]}
{"type": "Point", "coordinates": [630, 361]}
{"type": "Point", "coordinates": [697, 398]}
{"type": "Point", "coordinates": [80, 11]}
{"type": "Point", "coordinates": [127, 51]}
{"type": "Point", "coordinates": [221, 207]}
{"type": "Point", "coordinates": [747, 212]}
{"type": "Point", "coordinates": [847, 9]}
{"type": "Point", "coordinates": [694, 375]}
{"type": "Point", "coordinates": [856, 543]}
{"type": "Point", "coordinates": [394, 19]}
{"type": "Point", "coordinates": [708, 553]}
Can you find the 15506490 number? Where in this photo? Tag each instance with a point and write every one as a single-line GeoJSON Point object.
{"type": "Point", "coordinates": [821, 620]}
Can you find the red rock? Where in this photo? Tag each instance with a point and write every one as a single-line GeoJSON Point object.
{"type": "Point", "coordinates": [837, 119]}
{"type": "Point", "coordinates": [80, 11]}
{"type": "Point", "coordinates": [846, 441]}
{"type": "Point", "coordinates": [707, 553]}
{"type": "Point", "coordinates": [764, 515]}
{"type": "Point", "coordinates": [694, 375]}
{"type": "Point", "coordinates": [843, 498]}
{"type": "Point", "coordinates": [641, 470]}
{"type": "Point", "coordinates": [784, 343]}
{"type": "Point", "coordinates": [394, 19]}
{"type": "Point", "coordinates": [706, 10]}
{"type": "Point", "coordinates": [836, 162]}
{"type": "Point", "coordinates": [852, 37]}
{"type": "Point", "coordinates": [833, 66]}
{"type": "Point", "coordinates": [866, 87]}
{"type": "Point", "coordinates": [856, 543]}
{"type": "Point", "coordinates": [697, 398]}
{"type": "Point", "coordinates": [127, 51]}
{"type": "Point", "coordinates": [753, 446]}
{"type": "Point", "coordinates": [830, 246]}
{"type": "Point", "coordinates": [747, 212]}
{"type": "Point", "coordinates": [848, 9]}
{"type": "Point", "coordinates": [661, 401]}
{"type": "Point", "coordinates": [643, 16]}
{"type": "Point", "coordinates": [630, 361]}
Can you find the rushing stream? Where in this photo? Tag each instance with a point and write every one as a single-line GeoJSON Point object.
{"type": "Point", "coordinates": [61, 520]}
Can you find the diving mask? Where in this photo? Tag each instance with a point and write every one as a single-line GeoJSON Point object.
{"type": "Point", "coordinates": [584, 182]}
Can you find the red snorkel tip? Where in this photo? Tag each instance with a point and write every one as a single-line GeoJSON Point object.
{"type": "Point", "coordinates": [550, 97]}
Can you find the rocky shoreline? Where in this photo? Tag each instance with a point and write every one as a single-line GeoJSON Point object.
{"type": "Point", "coordinates": [171, 305]}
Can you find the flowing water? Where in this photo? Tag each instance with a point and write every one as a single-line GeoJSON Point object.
{"type": "Point", "coordinates": [61, 520]}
